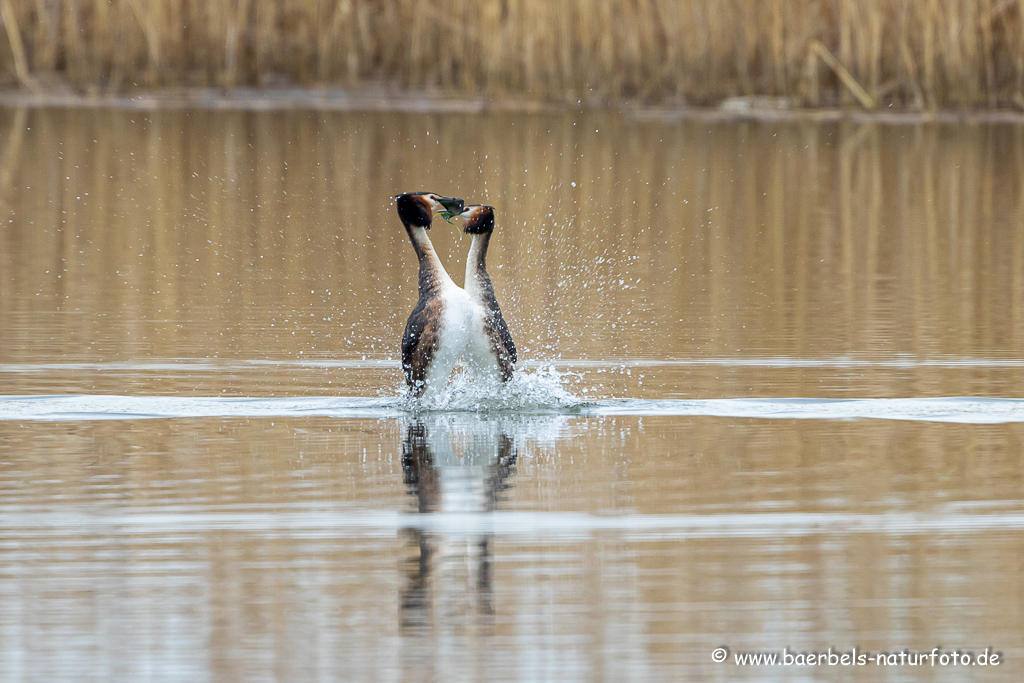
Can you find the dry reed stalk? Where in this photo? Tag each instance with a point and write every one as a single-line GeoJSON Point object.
{"type": "Point", "coordinates": [9, 157]}
{"type": "Point", "coordinates": [844, 75]}
{"type": "Point", "coordinates": [45, 36]}
{"type": "Point", "coordinates": [10, 21]}
{"type": "Point", "coordinates": [151, 32]}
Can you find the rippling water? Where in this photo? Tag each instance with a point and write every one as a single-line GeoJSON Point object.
{"type": "Point", "coordinates": [770, 398]}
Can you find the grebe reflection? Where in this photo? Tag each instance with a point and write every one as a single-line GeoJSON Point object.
{"type": "Point", "coordinates": [453, 465]}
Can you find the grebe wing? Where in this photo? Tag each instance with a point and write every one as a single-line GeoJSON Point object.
{"type": "Point", "coordinates": [420, 341]}
{"type": "Point", "coordinates": [501, 341]}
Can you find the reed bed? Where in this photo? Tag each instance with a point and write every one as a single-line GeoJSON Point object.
{"type": "Point", "coordinates": [921, 54]}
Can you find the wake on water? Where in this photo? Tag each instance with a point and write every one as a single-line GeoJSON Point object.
{"type": "Point", "coordinates": [536, 392]}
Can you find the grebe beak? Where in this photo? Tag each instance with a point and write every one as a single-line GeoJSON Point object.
{"type": "Point", "coordinates": [452, 207]}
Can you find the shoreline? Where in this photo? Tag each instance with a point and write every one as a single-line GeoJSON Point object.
{"type": "Point", "coordinates": [754, 108]}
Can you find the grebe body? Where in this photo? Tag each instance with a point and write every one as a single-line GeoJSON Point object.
{"type": "Point", "coordinates": [456, 329]}
{"type": "Point", "coordinates": [489, 348]}
{"type": "Point", "coordinates": [436, 332]}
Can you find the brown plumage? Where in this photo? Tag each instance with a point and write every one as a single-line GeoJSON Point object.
{"type": "Point", "coordinates": [421, 339]}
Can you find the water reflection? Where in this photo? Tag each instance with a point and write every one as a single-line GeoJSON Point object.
{"type": "Point", "coordinates": [619, 547]}
{"type": "Point", "coordinates": [209, 254]}
{"type": "Point", "coordinates": [129, 237]}
{"type": "Point", "coordinates": [455, 465]}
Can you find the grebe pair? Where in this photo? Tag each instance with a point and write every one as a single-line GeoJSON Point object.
{"type": "Point", "coordinates": [450, 322]}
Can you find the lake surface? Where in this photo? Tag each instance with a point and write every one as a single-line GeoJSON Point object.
{"type": "Point", "coordinates": [770, 399]}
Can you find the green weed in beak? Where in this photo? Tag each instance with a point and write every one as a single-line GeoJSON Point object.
{"type": "Point", "coordinates": [452, 207]}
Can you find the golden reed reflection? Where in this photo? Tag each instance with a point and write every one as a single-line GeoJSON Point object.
{"type": "Point", "coordinates": [456, 465]}
{"type": "Point", "coordinates": [131, 235]}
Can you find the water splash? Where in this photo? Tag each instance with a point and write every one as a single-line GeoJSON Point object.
{"type": "Point", "coordinates": [527, 392]}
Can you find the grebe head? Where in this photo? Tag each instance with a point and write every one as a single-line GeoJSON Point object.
{"type": "Point", "coordinates": [479, 219]}
{"type": "Point", "coordinates": [419, 208]}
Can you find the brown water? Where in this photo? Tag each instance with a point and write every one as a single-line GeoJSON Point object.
{"type": "Point", "coordinates": [167, 264]}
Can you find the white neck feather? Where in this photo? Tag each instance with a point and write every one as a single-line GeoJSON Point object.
{"type": "Point", "coordinates": [422, 240]}
{"type": "Point", "coordinates": [473, 261]}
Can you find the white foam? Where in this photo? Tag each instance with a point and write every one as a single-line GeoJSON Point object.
{"type": "Point", "coordinates": [536, 393]}
{"type": "Point", "coordinates": [330, 522]}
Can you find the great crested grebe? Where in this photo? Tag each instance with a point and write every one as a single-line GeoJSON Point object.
{"type": "Point", "coordinates": [489, 347]}
{"type": "Point", "coordinates": [437, 330]}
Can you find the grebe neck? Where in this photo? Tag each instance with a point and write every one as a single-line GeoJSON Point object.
{"type": "Point", "coordinates": [432, 272]}
{"type": "Point", "coordinates": [476, 262]}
